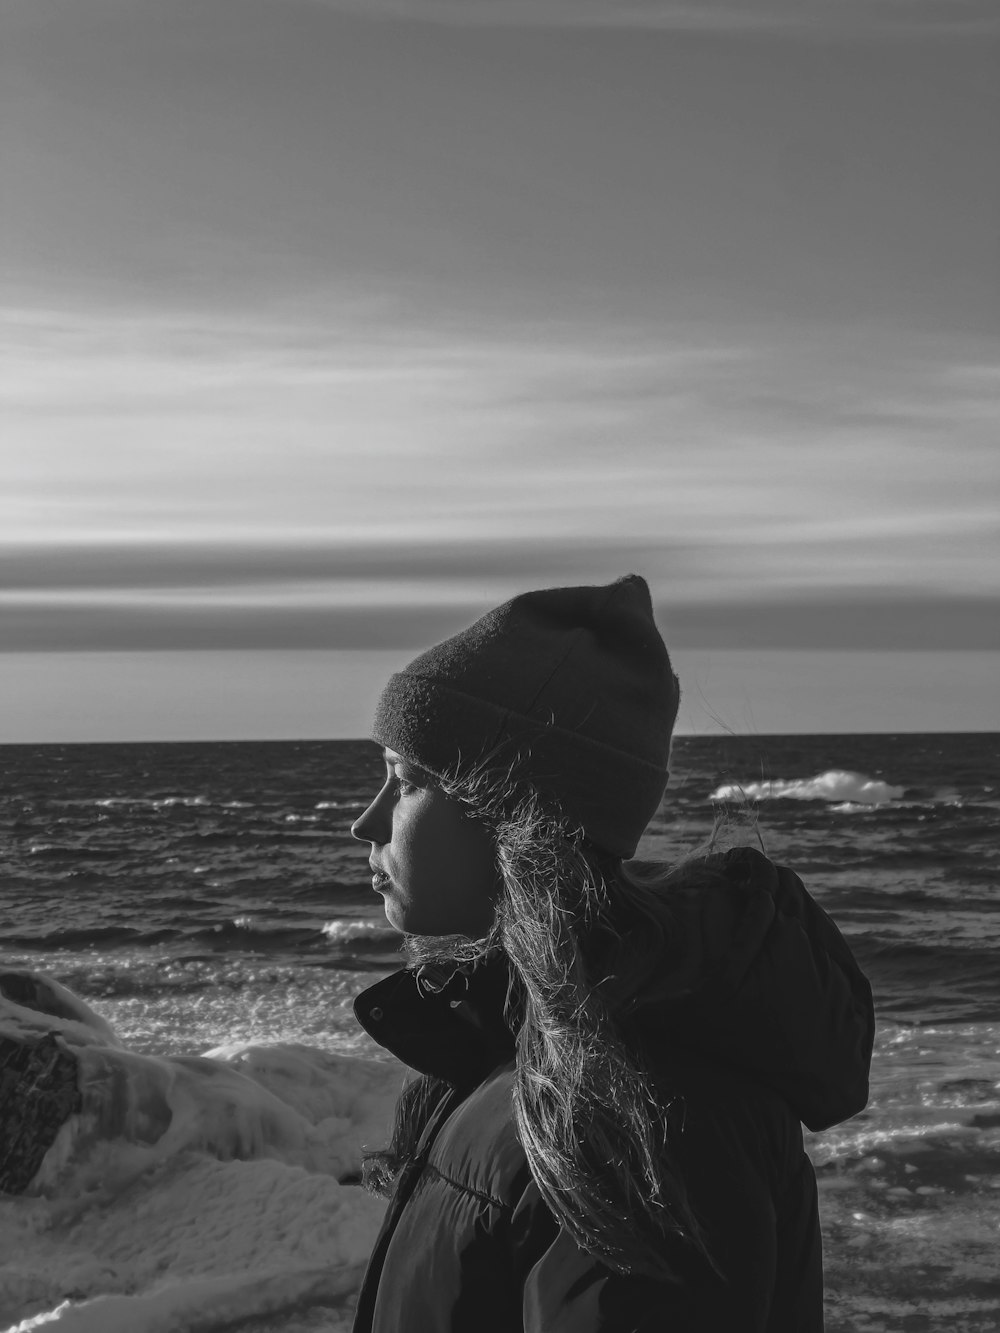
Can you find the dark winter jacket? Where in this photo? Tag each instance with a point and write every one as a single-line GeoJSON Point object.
{"type": "Point", "coordinates": [774, 1026]}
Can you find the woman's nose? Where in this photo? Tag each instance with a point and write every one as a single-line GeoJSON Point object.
{"type": "Point", "coordinates": [366, 827]}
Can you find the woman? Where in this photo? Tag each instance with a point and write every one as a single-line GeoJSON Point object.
{"type": "Point", "coordinates": [613, 1056]}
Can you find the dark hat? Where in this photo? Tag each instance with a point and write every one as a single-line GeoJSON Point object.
{"type": "Point", "coordinates": [573, 686]}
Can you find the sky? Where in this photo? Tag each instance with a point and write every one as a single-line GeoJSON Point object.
{"type": "Point", "coordinates": [328, 324]}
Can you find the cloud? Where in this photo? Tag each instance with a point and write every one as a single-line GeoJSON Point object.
{"type": "Point", "coordinates": [151, 453]}
{"type": "Point", "coordinates": [833, 619]}
{"type": "Point", "coordinates": [799, 17]}
{"type": "Point", "coordinates": [197, 567]}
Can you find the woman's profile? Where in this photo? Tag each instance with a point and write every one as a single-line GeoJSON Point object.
{"type": "Point", "coordinates": [612, 1057]}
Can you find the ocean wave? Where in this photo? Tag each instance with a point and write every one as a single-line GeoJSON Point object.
{"type": "Point", "coordinates": [53, 851]}
{"type": "Point", "coordinates": [151, 984]}
{"type": "Point", "coordinates": [243, 932]}
{"type": "Point", "coordinates": [835, 785]}
{"type": "Point", "coordinates": [89, 937]}
{"type": "Point", "coordinates": [154, 803]}
{"type": "Point", "coordinates": [342, 932]}
{"type": "Point", "coordinates": [954, 981]}
{"type": "Point", "coordinates": [251, 933]}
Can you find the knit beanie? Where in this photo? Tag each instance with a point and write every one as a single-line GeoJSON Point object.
{"type": "Point", "coordinates": [571, 687]}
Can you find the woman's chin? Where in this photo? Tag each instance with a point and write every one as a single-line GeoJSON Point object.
{"type": "Point", "coordinates": [395, 914]}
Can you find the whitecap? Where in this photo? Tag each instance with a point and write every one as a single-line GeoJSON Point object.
{"type": "Point", "coordinates": [835, 785]}
{"type": "Point", "coordinates": [340, 931]}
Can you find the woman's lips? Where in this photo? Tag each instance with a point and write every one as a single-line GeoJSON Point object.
{"type": "Point", "coordinates": [379, 880]}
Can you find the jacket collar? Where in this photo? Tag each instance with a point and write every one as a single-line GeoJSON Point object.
{"type": "Point", "coordinates": [444, 1021]}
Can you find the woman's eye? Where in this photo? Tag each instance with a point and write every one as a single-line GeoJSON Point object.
{"type": "Point", "coordinates": [404, 787]}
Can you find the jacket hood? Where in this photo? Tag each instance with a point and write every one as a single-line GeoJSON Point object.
{"type": "Point", "coordinates": [770, 989]}
{"type": "Point", "coordinates": [766, 986]}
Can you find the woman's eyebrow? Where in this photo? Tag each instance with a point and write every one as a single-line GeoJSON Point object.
{"type": "Point", "coordinates": [397, 761]}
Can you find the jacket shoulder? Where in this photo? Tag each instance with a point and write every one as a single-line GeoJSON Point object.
{"type": "Point", "coordinates": [477, 1151]}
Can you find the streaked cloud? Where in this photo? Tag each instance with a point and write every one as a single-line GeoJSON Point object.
{"type": "Point", "coordinates": [353, 617]}
{"type": "Point", "coordinates": [166, 451]}
{"type": "Point", "coordinates": [327, 327]}
{"type": "Point", "coordinates": [199, 567]}
{"type": "Point", "coordinates": [805, 17]}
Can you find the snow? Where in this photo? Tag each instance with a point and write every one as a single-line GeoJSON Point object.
{"type": "Point", "coordinates": [50, 1007]}
{"type": "Point", "coordinates": [194, 1191]}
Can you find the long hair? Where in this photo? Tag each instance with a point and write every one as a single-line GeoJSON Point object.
{"type": "Point", "coordinates": [591, 940]}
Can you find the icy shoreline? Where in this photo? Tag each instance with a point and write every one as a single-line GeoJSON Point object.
{"type": "Point", "coordinates": [193, 1192]}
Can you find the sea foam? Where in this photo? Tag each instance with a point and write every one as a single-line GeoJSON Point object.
{"type": "Point", "coordinates": [836, 784]}
{"type": "Point", "coordinates": [359, 929]}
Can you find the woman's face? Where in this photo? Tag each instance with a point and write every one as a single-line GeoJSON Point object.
{"type": "Point", "coordinates": [434, 866]}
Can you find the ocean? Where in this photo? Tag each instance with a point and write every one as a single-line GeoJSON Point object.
{"type": "Point", "coordinates": [209, 898]}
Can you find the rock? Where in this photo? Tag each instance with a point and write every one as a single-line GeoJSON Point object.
{"type": "Point", "coordinates": [38, 1092]}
